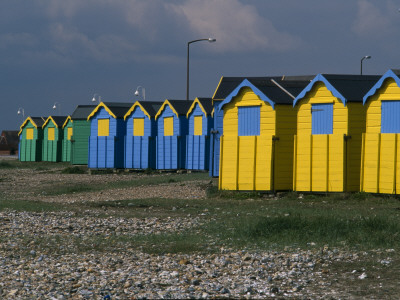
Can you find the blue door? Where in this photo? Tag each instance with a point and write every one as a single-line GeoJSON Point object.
{"type": "Point", "coordinates": [390, 117]}
{"type": "Point", "coordinates": [322, 118]}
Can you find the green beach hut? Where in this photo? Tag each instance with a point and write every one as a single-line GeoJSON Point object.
{"type": "Point", "coordinates": [66, 141]}
{"type": "Point", "coordinates": [52, 138]}
{"type": "Point", "coordinates": [80, 133]}
{"type": "Point", "coordinates": [31, 139]}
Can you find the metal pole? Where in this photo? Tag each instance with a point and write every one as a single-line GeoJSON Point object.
{"type": "Point", "coordinates": [187, 63]}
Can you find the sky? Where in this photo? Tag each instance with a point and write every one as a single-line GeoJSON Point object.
{"type": "Point", "coordinates": [64, 52]}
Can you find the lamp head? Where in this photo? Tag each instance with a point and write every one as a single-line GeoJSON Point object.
{"type": "Point", "coordinates": [54, 106]}
{"type": "Point", "coordinates": [367, 56]}
{"type": "Point", "coordinates": [211, 40]}
{"type": "Point", "coordinates": [19, 111]}
{"type": "Point", "coordinates": [136, 93]}
{"type": "Point", "coordinates": [93, 99]}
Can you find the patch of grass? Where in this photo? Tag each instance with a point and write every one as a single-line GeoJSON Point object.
{"type": "Point", "coordinates": [6, 165]}
{"type": "Point", "coordinates": [213, 192]}
{"type": "Point", "coordinates": [371, 232]}
{"type": "Point", "coordinates": [74, 170]}
{"type": "Point", "coordinates": [69, 189]}
{"type": "Point", "coordinates": [101, 172]}
{"type": "Point", "coordinates": [31, 206]}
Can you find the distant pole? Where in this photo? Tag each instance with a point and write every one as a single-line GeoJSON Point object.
{"type": "Point", "coordinates": [361, 65]}
{"type": "Point", "coordinates": [211, 40]}
{"type": "Point", "coordinates": [21, 111]}
{"type": "Point", "coordinates": [57, 105]}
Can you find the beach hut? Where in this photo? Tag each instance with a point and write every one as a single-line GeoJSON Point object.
{"type": "Point", "coordinates": [80, 134]}
{"type": "Point", "coordinates": [66, 141]}
{"type": "Point", "coordinates": [330, 123]}
{"type": "Point", "coordinates": [256, 148]}
{"type": "Point", "coordinates": [107, 135]}
{"type": "Point", "coordinates": [198, 138]}
{"type": "Point", "coordinates": [172, 128]}
{"type": "Point", "coordinates": [53, 136]}
{"type": "Point", "coordinates": [31, 139]}
{"type": "Point", "coordinates": [380, 169]}
{"type": "Point", "coordinates": [141, 131]}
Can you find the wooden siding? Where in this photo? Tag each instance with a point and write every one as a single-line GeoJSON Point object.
{"type": "Point", "coordinates": [66, 142]}
{"type": "Point", "coordinates": [52, 142]}
{"type": "Point", "coordinates": [140, 140]}
{"type": "Point", "coordinates": [30, 149]}
{"type": "Point", "coordinates": [198, 140]}
{"type": "Point", "coordinates": [380, 165]}
{"type": "Point", "coordinates": [80, 142]}
{"type": "Point", "coordinates": [171, 150]}
{"type": "Point", "coordinates": [215, 141]}
{"type": "Point", "coordinates": [249, 162]}
{"type": "Point", "coordinates": [328, 162]}
{"type": "Point", "coordinates": [106, 151]}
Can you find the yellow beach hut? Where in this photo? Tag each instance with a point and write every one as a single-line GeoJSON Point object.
{"type": "Point", "coordinates": [330, 123]}
{"type": "Point", "coordinates": [258, 128]}
{"type": "Point", "coordinates": [380, 169]}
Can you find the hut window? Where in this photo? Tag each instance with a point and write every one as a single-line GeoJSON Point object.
{"type": "Point", "coordinates": [169, 126]}
{"type": "Point", "coordinates": [248, 120]}
{"type": "Point", "coordinates": [29, 133]}
{"type": "Point", "coordinates": [69, 133]}
{"type": "Point", "coordinates": [198, 125]}
{"type": "Point", "coordinates": [103, 127]}
{"type": "Point", "coordinates": [138, 127]}
{"type": "Point", "coordinates": [50, 134]}
{"type": "Point", "coordinates": [390, 121]}
{"type": "Point", "coordinates": [322, 118]}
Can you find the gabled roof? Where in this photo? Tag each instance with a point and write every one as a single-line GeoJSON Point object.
{"type": "Point", "coordinates": [57, 120]}
{"type": "Point", "coordinates": [36, 121]}
{"type": "Point", "coordinates": [228, 84]}
{"type": "Point", "coordinates": [274, 90]}
{"type": "Point", "coordinates": [205, 105]}
{"type": "Point", "coordinates": [66, 121]}
{"type": "Point", "coordinates": [150, 108]}
{"type": "Point", "coordinates": [348, 88]}
{"type": "Point", "coordinates": [116, 109]}
{"type": "Point", "coordinates": [81, 112]}
{"type": "Point", "coordinates": [179, 107]}
{"type": "Point", "coordinates": [392, 73]}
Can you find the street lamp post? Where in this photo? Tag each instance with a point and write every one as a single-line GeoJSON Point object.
{"type": "Point", "coordinates": [21, 111]}
{"type": "Point", "coordinates": [211, 40]}
{"type": "Point", "coordinates": [57, 105]}
{"type": "Point", "coordinates": [362, 59]}
{"type": "Point", "coordinates": [96, 97]}
{"type": "Point", "coordinates": [143, 92]}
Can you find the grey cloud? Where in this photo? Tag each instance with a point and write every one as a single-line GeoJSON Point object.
{"type": "Point", "coordinates": [238, 26]}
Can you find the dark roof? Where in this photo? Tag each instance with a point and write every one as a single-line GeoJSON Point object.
{"type": "Point", "coordinates": [181, 106]}
{"type": "Point", "coordinates": [39, 121]}
{"type": "Point", "coordinates": [228, 84]}
{"type": "Point", "coordinates": [59, 120]}
{"type": "Point", "coordinates": [352, 87]}
{"type": "Point", "coordinates": [207, 104]}
{"type": "Point", "coordinates": [81, 112]}
{"type": "Point", "coordinates": [151, 107]}
{"type": "Point", "coordinates": [396, 71]}
{"type": "Point", "coordinates": [119, 109]}
{"type": "Point", "coordinates": [9, 137]}
{"type": "Point", "coordinates": [278, 89]}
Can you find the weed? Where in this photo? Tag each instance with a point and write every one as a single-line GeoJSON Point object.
{"type": "Point", "coordinates": [6, 165]}
{"type": "Point", "coordinates": [73, 170]}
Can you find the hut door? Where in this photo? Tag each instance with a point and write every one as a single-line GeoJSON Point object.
{"type": "Point", "coordinates": [322, 118]}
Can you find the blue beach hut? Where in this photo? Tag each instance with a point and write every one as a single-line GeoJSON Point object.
{"type": "Point", "coordinates": [172, 128]}
{"type": "Point", "coordinates": [141, 131]}
{"type": "Point", "coordinates": [107, 135]}
{"type": "Point", "coordinates": [198, 138]}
